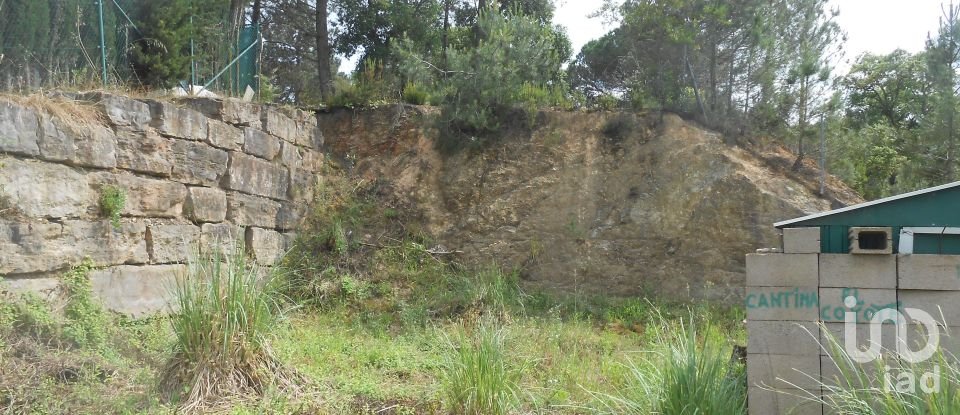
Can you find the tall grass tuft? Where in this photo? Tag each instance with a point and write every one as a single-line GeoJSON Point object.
{"type": "Point", "coordinates": [691, 374]}
{"type": "Point", "coordinates": [861, 388]}
{"type": "Point", "coordinates": [477, 378]}
{"type": "Point", "coordinates": [224, 315]}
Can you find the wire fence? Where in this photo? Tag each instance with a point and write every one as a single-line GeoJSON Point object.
{"type": "Point", "coordinates": [84, 44]}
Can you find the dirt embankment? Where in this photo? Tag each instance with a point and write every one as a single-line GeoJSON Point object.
{"type": "Point", "coordinates": [598, 203]}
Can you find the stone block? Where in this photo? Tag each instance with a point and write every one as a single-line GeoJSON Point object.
{"type": "Point", "coordinates": [33, 247]}
{"type": "Point", "coordinates": [173, 121]}
{"type": "Point", "coordinates": [783, 303]}
{"type": "Point", "coordinates": [144, 152]}
{"type": "Point", "coordinates": [96, 146]}
{"type": "Point", "coordinates": [260, 144]}
{"type": "Point", "coordinates": [45, 190]}
{"type": "Point", "coordinates": [278, 124]}
{"type": "Point", "coordinates": [19, 129]}
{"type": "Point", "coordinates": [801, 240]}
{"type": "Point", "coordinates": [247, 210]}
{"type": "Point", "coordinates": [237, 112]}
{"type": "Point", "coordinates": [267, 246]}
{"type": "Point", "coordinates": [223, 135]}
{"type": "Point", "coordinates": [783, 371]}
{"type": "Point", "coordinates": [929, 272]}
{"type": "Point", "coordinates": [172, 243]}
{"type": "Point", "coordinates": [137, 291]}
{"type": "Point", "coordinates": [783, 337]}
{"type": "Point", "coordinates": [783, 402]}
{"type": "Point", "coordinates": [205, 204]}
{"type": "Point", "coordinates": [223, 238]}
{"type": "Point", "coordinates": [290, 155]}
{"type": "Point", "coordinates": [869, 302]}
{"type": "Point", "coordinates": [198, 163]}
{"type": "Point", "coordinates": [45, 286]}
{"type": "Point", "coordinates": [251, 175]}
{"type": "Point", "coordinates": [56, 140]}
{"type": "Point", "coordinates": [833, 335]}
{"type": "Point", "coordinates": [121, 111]}
{"type": "Point", "coordinates": [303, 184]}
{"type": "Point", "coordinates": [290, 215]}
{"type": "Point", "coordinates": [863, 271]}
{"type": "Point", "coordinates": [146, 197]}
{"type": "Point", "coordinates": [289, 240]}
{"type": "Point", "coordinates": [845, 373]}
{"type": "Point", "coordinates": [312, 159]}
{"type": "Point", "coordinates": [944, 306]}
{"type": "Point", "coordinates": [782, 270]}
{"type": "Point", "coordinates": [308, 133]}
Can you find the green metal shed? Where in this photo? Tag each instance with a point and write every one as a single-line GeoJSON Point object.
{"type": "Point", "coordinates": [923, 222]}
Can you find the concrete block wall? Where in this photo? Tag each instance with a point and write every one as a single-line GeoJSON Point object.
{"type": "Point", "coordinates": [795, 305]}
{"type": "Point", "coordinates": [196, 172]}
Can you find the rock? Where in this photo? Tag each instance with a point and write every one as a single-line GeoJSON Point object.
{"type": "Point", "coordinates": [312, 160]}
{"type": "Point", "coordinates": [260, 144]}
{"type": "Point", "coordinates": [197, 163]}
{"type": "Point", "coordinates": [290, 155]}
{"type": "Point", "coordinates": [45, 190]}
{"type": "Point", "coordinates": [137, 291]}
{"type": "Point", "coordinates": [249, 210]}
{"type": "Point", "coordinates": [266, 245]}
{"type": "Point", "coordinates": [19, 129]}
{"type": "Point", "coordinates": [56, 143]}
{"type": "Point", "coordinates": [290, 215]}
{"type": "Point", "coordinates": [205, 204]}
{"type": "Point", "coordinates": [251, 175]}
{"type": "Point", "coordinates": [174, 121]}
{"type": "Point", "coordinates": [32, 247]}
{"type": "Point", "coordinates": [223, 239]}
{"type": "Point", "coordinates": [172, 243]}
{"type": "Point", "coordinates": [144, 152]}
{"type": "Point", "coordinates": [123, 112]}
{"type": "Point", "coordinates": [146, 197]}
{"type": "Point", "coordinates": [278, 124]}
{"type": "Point", "coordinates": [96, 146]}
{"type": "Point", "coordinates": [223, 135]}
{"type": "Point", "coordinates": [46, 286]}
{"type": "Point", "coordinates": [289, 241]}
{"type": "Point", "coordinates": [308, 132]}
{"type": "Point", "coordinates": [302, 185]}
{"type": "Point", "coordinates": [231, 111]}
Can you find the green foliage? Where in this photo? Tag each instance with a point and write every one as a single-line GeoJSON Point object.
{"type": "Point", "coordinates": [514, 68]}
{"type": "Point", "coordinates": [415, 94]}
{"type": "Point", "coordinates": [112, 201]}
{"type": "Point", "coordinates": [369, 87]}
{"type": "Point", "coordinates": [225, 312]}
{"type": "Point", "coordinates": [162, 56]}
{"type": "Point", "coordinates": [477, 376]}
{"type": "Point", "coordinates": [86, 321]}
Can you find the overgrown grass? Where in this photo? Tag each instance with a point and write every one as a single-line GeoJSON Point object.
{"type": "Point", "coordinates": [225, 313]}
{"type": "Point", "coordinates": [477, 376]}
{"type": "Point", "coordinates": [112, 201]}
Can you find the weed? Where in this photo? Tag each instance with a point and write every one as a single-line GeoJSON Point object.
{"type": "Point", "coordinates": [86, 321]}
{"type": "Point", "coordinates": [693, 375]}
{"type": "Point", "coordinates": [112, 201]}
{"type": "Point", "coordinates": [225, 314]}
{"type": "Point", "coordinates": [476, 376]}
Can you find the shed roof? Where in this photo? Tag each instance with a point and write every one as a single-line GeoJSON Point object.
{"type": "Point", "coordinates": [935, 206]}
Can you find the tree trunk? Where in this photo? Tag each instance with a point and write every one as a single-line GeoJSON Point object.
{"type": "Point", "coordinates": [324, 74]}
{"type": "Point", "coordinates": [255, 15]}
{"type": "Point", "coordinates": [444, 41]}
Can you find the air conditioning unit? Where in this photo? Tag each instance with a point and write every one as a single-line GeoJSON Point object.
{"type": "Point", "coordinates": [871, 240]}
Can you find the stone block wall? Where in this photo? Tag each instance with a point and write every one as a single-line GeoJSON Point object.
{"type": "Point", "coordinates": [195, 172]}
{"type": "Point", "coordinates": [795, 305]}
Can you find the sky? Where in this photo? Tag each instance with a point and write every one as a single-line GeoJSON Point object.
{"type": "Point", "coordinates": [875, 26]}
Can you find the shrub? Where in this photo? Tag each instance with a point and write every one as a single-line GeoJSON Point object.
{"type": "Point", "coordinates": [415, 94]}
{"type": "Point", "coordinates": [112, 201]}
{"type": "Point", "coordinates": [86, 321]}
{"type": "Point", "coordinates": [476, 377]}
{"type": "Point", "coordinates": [225, 313]}
{"type": "Point", "coordinates": [619, 127]}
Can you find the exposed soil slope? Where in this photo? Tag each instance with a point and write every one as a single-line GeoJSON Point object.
{"type": "Point", "coordinates": [658, 205]}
